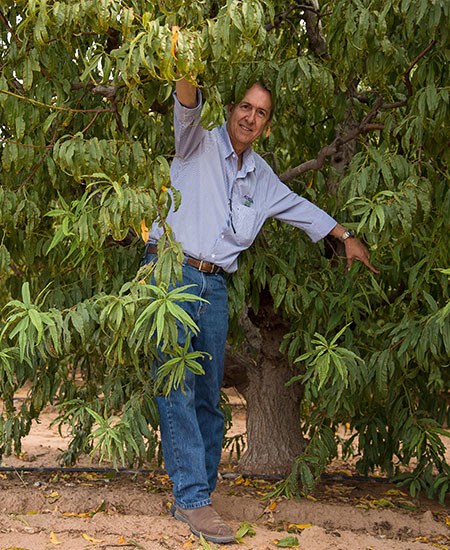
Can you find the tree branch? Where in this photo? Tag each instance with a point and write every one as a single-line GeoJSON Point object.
{"type": "Point", "coordinates": [364, 126]}
{"type": "Point", "coordinates": [25, 144]}
{"type": "Point", "coordinates": [312, 164]}
{"type": "Point", "coordinates": [271, 154]}
{"type": "Point", "coordinates": [17, 271]}
{"type": "Point", "coordinates": [110, 93]}
{"type": "Point", "coordinates": [407, 81]}
{"type": "Point", "coordinates": [9, 29]}
{"type": "Point", "coordinates": [55, 107]}
{"type": "Point", "coordinates": [41, 160]}
{"type": "Point", "coordinates": [282, 16]}
{"type": "Point", "coordinates": [317, 41]}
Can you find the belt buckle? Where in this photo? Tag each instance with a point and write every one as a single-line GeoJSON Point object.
{"type": "Point", "coordinates": [202, 267]}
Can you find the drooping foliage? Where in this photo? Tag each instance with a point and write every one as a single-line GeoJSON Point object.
{"type": "Point", "coordinates": [361, 128]}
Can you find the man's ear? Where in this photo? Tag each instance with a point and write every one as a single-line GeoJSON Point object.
{"type": "Point", "coordinates": [230, 108]}
{"type": "Point", "coordinates": [267, 134]}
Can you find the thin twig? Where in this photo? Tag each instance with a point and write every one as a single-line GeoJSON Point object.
{"type": "Point", "coordinates": [25, 144]}
{"type": "Point", "coordinates": [56, 107]}
{"type": "Point", "coordinates": [41, 160]}
{"type": "Point", "coordinates": [407, 81]}
{"type": "Point", "coordinates": [274, 160]}
{"type": "Point", "coordinates": [94, 118]}
{"type": "Point", "coordinates": [9, 29]}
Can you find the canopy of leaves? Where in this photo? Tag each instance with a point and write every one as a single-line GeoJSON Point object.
{"type": "Point", "coordinates": [85, 146]}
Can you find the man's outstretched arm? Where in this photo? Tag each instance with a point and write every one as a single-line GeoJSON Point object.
{"type": "Point", "coordinates": [354, 248]}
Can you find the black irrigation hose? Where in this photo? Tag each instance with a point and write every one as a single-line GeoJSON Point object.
{"type": "Point", "coordinates": [225, 475]}
{"type": "Point", "coordinates": [46, 469]}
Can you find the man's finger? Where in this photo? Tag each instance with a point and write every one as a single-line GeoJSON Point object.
{"type": "Point", "coordinates": [371, 267]}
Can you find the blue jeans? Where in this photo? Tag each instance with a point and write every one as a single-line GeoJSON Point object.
{"type": "Point", "coordinates": [191, 423]}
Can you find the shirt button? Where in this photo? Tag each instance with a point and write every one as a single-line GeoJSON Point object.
{"type": "Point", "coordinates": [213, 255]}
{"type": "Point", "coordinates": [222, 236]}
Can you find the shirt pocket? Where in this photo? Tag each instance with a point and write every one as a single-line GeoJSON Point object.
{"type": "Point", "coordinates": [245, 222]}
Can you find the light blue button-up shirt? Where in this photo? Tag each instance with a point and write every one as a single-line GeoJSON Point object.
{"type": "Point", "coordinates": [223, 208]}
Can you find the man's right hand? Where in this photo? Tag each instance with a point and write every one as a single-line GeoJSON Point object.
{"type": "Point", "coordinates": [186, 93]}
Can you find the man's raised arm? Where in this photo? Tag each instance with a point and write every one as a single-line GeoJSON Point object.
{"type": "Point", "coordinates": [186, 93]}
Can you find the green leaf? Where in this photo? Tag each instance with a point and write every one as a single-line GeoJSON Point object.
{"type": "Point", "coordinates": [288, 542]}
{"type": "Point", "coordinates": [37, 322]}
{"type": "Point", "coordinates": [26, 294]}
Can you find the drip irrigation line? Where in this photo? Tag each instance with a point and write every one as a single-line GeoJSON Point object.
{"type": "Point", "coordinates": [81, 470]}
{"type": "Point", "coordinates": [224, 475]}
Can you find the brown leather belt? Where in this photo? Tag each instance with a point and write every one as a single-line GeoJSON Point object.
{"type": "Point", "coordinates": [201, 265]}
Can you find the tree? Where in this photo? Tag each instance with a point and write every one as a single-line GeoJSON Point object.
{"type": "Point", "coordinates": [86, 140]}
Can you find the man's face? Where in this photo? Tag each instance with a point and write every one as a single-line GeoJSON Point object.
{"type": "Point", "coordinates": [248, 119]}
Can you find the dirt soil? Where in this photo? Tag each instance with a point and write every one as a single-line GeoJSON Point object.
{"type": "Point", "coordinates": [76, 511]}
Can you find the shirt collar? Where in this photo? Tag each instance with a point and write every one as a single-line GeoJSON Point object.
{"type": "Point", "coordinates": [248, 157]}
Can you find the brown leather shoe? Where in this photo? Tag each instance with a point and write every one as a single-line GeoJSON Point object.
{"type": "Point", "coordinates": [205, 520]}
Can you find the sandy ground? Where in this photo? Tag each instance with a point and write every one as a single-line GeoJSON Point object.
{"type": "Point", "coordinates": [74, 511]}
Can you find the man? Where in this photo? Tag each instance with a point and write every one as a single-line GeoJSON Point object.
{"type": "Point", "coordinates": [228, 191]}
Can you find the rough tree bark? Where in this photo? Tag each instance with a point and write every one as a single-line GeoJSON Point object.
{"type": "Point", "coordinates": [274, 436]}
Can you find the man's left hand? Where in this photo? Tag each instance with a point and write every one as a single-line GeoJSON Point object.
{"type": "Point", "coordinates": [355, 250]}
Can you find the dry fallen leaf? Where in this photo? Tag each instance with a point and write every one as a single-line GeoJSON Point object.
{"type": "Point", "coordinates": [395, 492]}
{"type": "Point", "coordinates": [304, 526]}
{"type": "Point", "coordinates": [91, 539]}
{"type": "Point", "coordinates": [273, 506]}
{"type": "Point", "coordinates": [382, 503]}
{"type": "Point", "coordinates": [53, 539]}
{"type": "Point", "coordinates": [121, 540]}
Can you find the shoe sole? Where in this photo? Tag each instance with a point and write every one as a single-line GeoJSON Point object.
{"type": "Point", "coordinates": [212, 538]}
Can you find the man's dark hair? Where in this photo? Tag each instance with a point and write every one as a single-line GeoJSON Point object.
{"type": "Point", "coordinates": [266, 87]}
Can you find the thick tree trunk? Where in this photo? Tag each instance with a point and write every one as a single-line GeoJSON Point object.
{"type": "Point", "coordinates": [274, 436]}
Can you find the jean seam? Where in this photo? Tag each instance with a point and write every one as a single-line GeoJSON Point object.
{"type": "Point", "coordinates": [175, 446]}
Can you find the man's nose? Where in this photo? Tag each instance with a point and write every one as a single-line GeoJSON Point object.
{"type": "Point", "coordinates": [251, 115]}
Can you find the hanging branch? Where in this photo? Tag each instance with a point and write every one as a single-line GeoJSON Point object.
{"type": "Point", "coordinates": [366, 125]}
